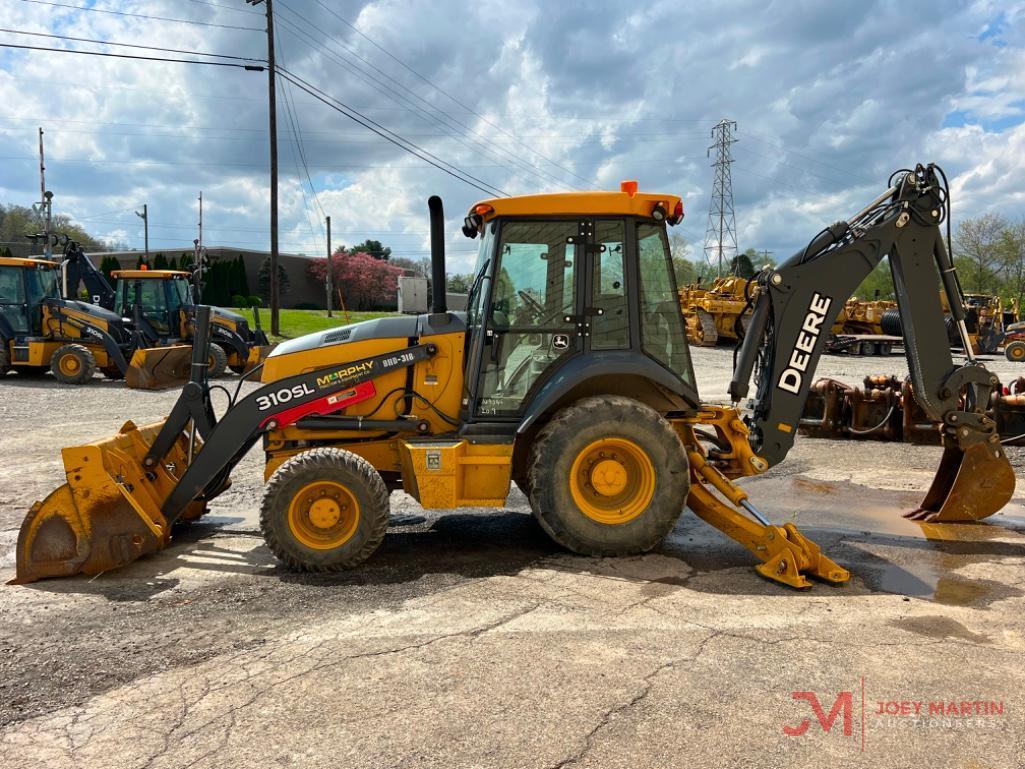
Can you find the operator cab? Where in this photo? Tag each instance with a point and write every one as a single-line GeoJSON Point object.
{"type": "Point", "coordinates": [162, 296]}
{"type": "Point", "coordinates": [574, 290]}
{"type": "Point", "coordinates": [24, 285]}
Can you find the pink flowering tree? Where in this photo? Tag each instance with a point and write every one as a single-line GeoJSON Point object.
{"type": "Point", "coordinates": [366, 281]}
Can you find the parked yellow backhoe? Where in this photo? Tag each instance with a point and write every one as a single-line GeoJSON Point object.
{"type": "Point", "coordinates": [569, 374]}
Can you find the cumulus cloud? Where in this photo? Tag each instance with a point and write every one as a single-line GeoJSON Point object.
{"type": "Point", "coordinates": [524, 96]}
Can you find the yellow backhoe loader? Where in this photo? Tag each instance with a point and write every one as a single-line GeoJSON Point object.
{"type": "Point", "coordinates": [41, 330]}
{"type": "Point", "coordinates": [569, 374]}
{"type": "Point", "coordinates": [161, 306]}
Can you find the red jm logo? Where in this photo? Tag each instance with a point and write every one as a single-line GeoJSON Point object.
{"type": "Point", "coordinates": [844, 701]}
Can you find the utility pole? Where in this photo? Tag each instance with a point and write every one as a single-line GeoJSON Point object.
{"type": "Point", "coordinates": [145, 228]}
{"type": "Point", "coordinates": [765, 255]}
{"type": "Point", "coordinates": [197, 259]}
{"type": "Point", "coordinates": [45, 200]}
{"type": "Point", "coordinates": [328, 277]}
{"type": "Point", "coordinates": [721, 233]}
{"type": "Point", "coordinates": [272, 129]}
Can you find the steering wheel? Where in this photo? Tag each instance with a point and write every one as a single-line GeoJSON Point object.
{"type": "Point", "coordinates": [531, 303]}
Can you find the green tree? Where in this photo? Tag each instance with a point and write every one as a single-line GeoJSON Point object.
{"type": "Point", "coordinates": [373, 247]}
{"type": "Point", "coordinates": [17, 221]}
{"type": "Point", "coordinates": [458, 284]}
{"type": "Point", "coordinates": [977, 252]}
{"type": "Point", "coordinates": [107, 266]}
{"type": "Point", "coordinates": [263, 280]}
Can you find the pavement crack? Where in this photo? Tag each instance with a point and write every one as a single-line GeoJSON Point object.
{"type": "Point", "coordinates": [646, 683]}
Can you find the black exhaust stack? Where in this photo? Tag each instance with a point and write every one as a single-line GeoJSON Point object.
{"type": "Point", "coordinates": [439, 304]}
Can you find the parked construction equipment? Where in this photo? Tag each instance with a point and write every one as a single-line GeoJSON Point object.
{"type": "Point", "coordinates": [716, 314]}
{"type": "Point", "coordinates": [569, 374]}
{"type": "Point", "coordinates": [40, 331]}
{"type": "Point", "coordinates": [161, 305]}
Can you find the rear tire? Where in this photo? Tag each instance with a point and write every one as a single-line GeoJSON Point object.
{"type": "Point", "coordinates": [608, 476]}
{"type": "Point", "coordinates": [324, 510]}
{"type": "Point", "coordinates": [73, 364]}
{"type": "Point", "coordinates": [1015, 351]}
{"type": "Point", "coordinates": [217, 362]}
{"type": "Point", "coordinates": [5, 358]}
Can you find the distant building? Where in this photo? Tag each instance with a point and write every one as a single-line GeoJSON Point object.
{"type": "Point", "coordinates": [304, 289]}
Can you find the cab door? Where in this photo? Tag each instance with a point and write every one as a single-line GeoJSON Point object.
{"type": "Point", "coordinates": [534, 317]}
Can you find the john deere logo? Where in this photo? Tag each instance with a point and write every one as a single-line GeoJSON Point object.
{"type": "Point", "coordinates": [344, 375]}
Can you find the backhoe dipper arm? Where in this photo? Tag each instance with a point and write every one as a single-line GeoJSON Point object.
{"type": "Point", "coordinates": [798, 303]}
{"type": "Point", "coordinates": [77, 268]}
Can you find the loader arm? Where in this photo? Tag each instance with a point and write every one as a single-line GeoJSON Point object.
{"type": "Point", "coordinates": [798, 303]}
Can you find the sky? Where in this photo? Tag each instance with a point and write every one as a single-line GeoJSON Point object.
{"type": "Point", "coordinates": [515, 97]}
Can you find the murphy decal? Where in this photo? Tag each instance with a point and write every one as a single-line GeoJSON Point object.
{"type": "Point", "coordinates": [800, 357]}
{"type": "Point", "coordinates": [344, 375]}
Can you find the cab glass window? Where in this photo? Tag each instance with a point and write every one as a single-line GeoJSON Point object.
{"type": "Point", "coordinates": [12, 298]}
{"type": "Point", "coordinates": [662, 332]}
{"type": "Point", "coordinates": [533, 294]}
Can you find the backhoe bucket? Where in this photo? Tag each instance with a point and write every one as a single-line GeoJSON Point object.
{"type": "Point", "coordinates": [257, 355]}
{"type": "Point", "coordinates": [108, 512]}
{"type": "Point", "coordinates": [970, 485]}
{"type": "Point", "coordinates": [159, 368]}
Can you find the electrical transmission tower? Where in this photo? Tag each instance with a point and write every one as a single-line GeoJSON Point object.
{"type": "Point", "coordinates": [721, 234]}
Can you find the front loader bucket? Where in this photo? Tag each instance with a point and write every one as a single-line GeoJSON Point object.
{"type": "Point", "coordinates": [159, 368]}
{"type": "Point", "coordinates": [257, 355]}
{"type": "Point", "coordinates": [108, 512]}
{"type": "Point", "coordinates": [970, 485]}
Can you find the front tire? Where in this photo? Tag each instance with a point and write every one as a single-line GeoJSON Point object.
{"type": "Point", "coordinates": [324, 510]}
{"type": "Point", "coordinates": [217, 363]}
{"type": "Point", "coordinates": [1015, 351]}
{"type": "Point", "coordinates": [608, 476]}
{"type": "Point", "coordinates": [73, 364]}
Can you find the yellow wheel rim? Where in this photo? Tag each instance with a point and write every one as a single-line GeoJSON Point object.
{"type": "Point", "coordinates": [69, 365]}
{"type": "Point", "coordinates": [612, 480]}
{"type": "Point", "coordinates": [1018, 353]}
{"type": "Point", "coordinates": [323, 515]}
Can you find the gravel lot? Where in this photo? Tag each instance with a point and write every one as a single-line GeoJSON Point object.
{"type": "Point", "coordinates": [470, 640]}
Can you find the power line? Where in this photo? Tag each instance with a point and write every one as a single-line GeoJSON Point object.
{"type": "Point", "coordinates": [128, 45]}
{"type": "Point", "coordinates": [250, 67]}
{"type": "Point", "coordinates": [485, 149]}
{"type": "Point", "coordinates": [447, 94]}
{"type": "Point", "coordinates": [142, 15]}
{"type": "Point", "coordinates": [390, 136]}
{"type": "Point", "coordinates": [227, 7]}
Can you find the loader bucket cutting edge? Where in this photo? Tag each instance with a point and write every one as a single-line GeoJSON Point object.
{"type": "Point", "coordinates": [257, 355]}
{"type": "Point", "coordinates": [970, 485]}
{"type": "Point", "coordinates": [159, 368]}
{"type": "Point", "coordinates": [107, 514]}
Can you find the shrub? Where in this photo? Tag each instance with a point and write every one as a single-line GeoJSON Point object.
{"type": "Point", "coordinates": [307, 306]}
{"type": "Point", "coordinates": [239, 301]}
{"type": "Point", "coordinates": [255, 301]}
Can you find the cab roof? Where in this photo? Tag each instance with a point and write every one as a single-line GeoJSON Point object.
{"type": "Point", "coordinates": [131, 274]}
{"type": "Point", "coordinates": [16, 261]}
{"type": "Point", "coordinates": [627, 202]}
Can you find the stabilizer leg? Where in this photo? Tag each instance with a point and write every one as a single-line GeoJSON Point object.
{"type": "Point", "coordinates": [787, 555]}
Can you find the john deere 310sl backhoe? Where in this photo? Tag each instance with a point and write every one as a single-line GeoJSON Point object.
{"type": "Point", "coordinates": [569, 375]}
